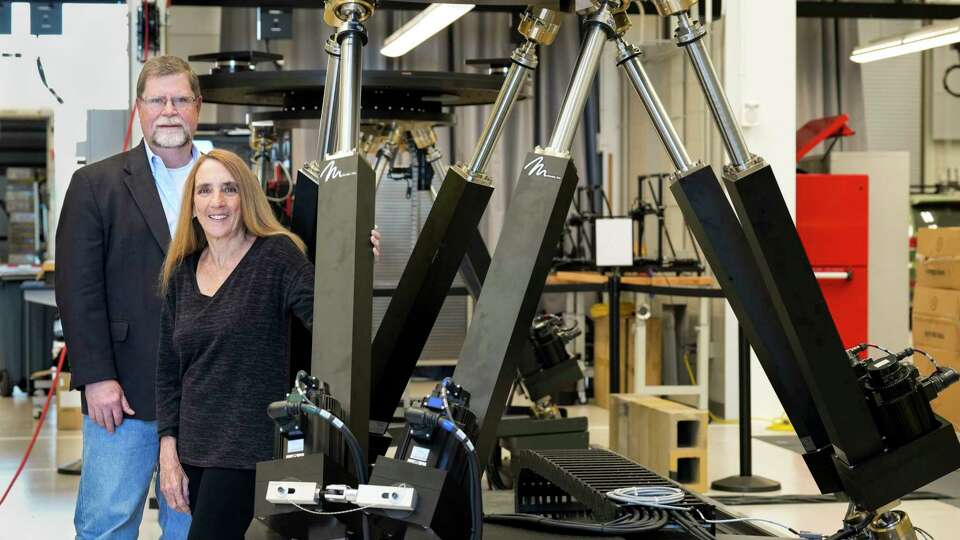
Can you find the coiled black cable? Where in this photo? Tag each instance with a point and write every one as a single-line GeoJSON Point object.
{"type": "Point", "coordinates": [691, 525]}
{"type": "Point", "coordinates": [360, 464]}
{"type": "Point", "coordinates": [635, 520]}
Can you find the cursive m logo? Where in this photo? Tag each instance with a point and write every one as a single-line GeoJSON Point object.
{"type": "Point", "coordinates": [537, 168]}
{"type": "Point", "coordinates": [332, 172]}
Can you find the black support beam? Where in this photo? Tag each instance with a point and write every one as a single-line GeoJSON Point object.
{"type": "Point", "coordinates": [876, 10]}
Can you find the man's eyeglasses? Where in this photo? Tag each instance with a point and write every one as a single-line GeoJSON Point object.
{"type": "Point", "coordinates": [159, 103]}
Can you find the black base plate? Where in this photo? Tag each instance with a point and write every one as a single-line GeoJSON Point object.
{"type": "Point", "coordinates": [745, 484]}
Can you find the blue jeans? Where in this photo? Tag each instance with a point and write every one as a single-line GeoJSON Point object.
{"type": "Point", "coordinates": [115, 480]}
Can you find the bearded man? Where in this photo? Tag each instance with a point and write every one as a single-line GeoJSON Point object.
{"type": "Point", "coordinates": [117, 219]}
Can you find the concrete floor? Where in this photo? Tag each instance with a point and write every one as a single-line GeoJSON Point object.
{"type": "Point", "coordinates": [41, 504]}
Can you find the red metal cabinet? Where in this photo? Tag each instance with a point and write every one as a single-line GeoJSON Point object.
{"type": "Point", "coordinates": [833, 222]}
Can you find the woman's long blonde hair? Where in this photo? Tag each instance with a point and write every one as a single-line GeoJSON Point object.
{"type": "Point", "coordinates": [258, 218]}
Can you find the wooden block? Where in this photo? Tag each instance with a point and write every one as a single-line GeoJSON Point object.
{"type": "Point", "coordinates": [688, 467]}
{"type": "Point", "coordinates": [671, 281]}
{"type": "Point", "coordinates": [667, 437]}
{"type": "Point", "coordinates": [601, 352]}
{"type": "Point", "coordinates": [576, 277]}
{"type": "Point", "coordinates": [654, 351]}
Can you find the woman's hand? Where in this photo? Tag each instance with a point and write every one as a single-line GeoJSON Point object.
{"type": "Point", "coordinates": [375, 241]}
{"type": "Point", "coordinates": [173, 481]}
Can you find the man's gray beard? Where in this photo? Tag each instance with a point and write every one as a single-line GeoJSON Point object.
{"type": "Point", "coordinates": [172, 139]}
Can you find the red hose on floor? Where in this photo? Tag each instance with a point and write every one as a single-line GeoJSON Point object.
{"type": "Point", "coordinates": [36, 431]}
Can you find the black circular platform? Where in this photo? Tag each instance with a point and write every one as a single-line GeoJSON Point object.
{"type": "Point", "coordinates": [309, 116]}
{"type": "Point", "coordinates": [388, 96]}
{"type": "Point", "coordinates": [400, 89]}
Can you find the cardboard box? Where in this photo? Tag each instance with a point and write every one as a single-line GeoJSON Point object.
{"type": "Point", "coordinates": [940, 303]}
{"type": "Point", "coordinates": [936, 333]}
{"type": "Point", "coordinates": [69, 416]}
{"type": "Point", "coordinates": [947, 404]}
{"type": "Point", "coordinates": [939, 242]}
{"type": "Point", "coordinates": [667, 437]}
{"type": "Point", "coordinates": [939, 273]}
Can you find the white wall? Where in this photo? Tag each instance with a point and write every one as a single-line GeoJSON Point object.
{"type": "Point", "coordinates": [942, 137]}
{"type": "Point", "coordinates": [88, 67]}
{"type": "Point", "coordinates": [893, 96]}
{"type": "Point", "coordinates": [888, 285]}
{"type": "Point", "coordinates": [760, 52]}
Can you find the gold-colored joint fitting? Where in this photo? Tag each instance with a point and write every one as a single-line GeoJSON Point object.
{"type": "Point", "coordinates": [621, 22]}
{"type": "Point", "coordinates": [367, 142]}
{"type": "Point", "coordinates": [893, 525]}
{"type": "Point", "coordinates": [611, 15]}
{"type": "Point", "coordinates": [262, 135]}
{"type": "Point", "coordinates": [667, 8]}
{"type": "Point", "coordinates": [540, 25]}
{"type": "Point", "coordinates": [336, 12]}
{"type": "Point", "coordinates": [424, 137]}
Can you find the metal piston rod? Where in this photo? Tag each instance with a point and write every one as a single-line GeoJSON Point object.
{"type": "Point", "coordinates": [386, 155]}
{"type": "Point", "coordinates": [697, 191]}
{"type": "Point", "coordinates": [578, 90]}
{"type": "Point", "coordinates": [352, 36]}
{"type": "Point", "coordinates": [425, 138]}
{"type": "Point", "coordinates": [449, 233]}
{"type": "Point", "coordinates": [531, 228]}
{"type": "Point", "coordinates": [628, 58]}
{"type": "Point", "coordinates": [861, 455]}
{"type": "Point", "coordinates": [328, 110]}
{"type": "Point", "coordinates": [690, 37]}
{"type": "Point", "coordinates": [524, 60]}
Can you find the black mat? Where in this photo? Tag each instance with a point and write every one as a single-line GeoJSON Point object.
{"type": "Point", "coordinates": [948, 485]}
{"type": "Point", "coordinates": [788, 441]}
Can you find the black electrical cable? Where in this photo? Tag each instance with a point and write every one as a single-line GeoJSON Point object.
{"type": "Point", "coordinates": [352, 443]}
{"type": "Point", "coordinates": [636, 520]}
{"type": "Point", "coordinates": [476, 496]}
{"type": "Point", "coordinates": [476, 500]}
{"type": "Point", "coordinates": [849, 531]}
{"type": "Point", "coordinates": [690, 525]}
{"type": "Point", "coordinates": [43, 79]}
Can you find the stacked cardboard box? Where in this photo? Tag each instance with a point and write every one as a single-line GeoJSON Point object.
{"type": "Point", "coordinates": [936, 308]}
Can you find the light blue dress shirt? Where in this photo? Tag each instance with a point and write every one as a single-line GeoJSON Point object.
{"type": "Point", "coordinates": [170, 184]}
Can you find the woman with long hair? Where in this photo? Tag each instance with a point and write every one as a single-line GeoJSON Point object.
{"type": "Point", "coordinates": [232, 278]}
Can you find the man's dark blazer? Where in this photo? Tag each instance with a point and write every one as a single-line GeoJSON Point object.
{"type": "Point", "coordinates": [111, 241]}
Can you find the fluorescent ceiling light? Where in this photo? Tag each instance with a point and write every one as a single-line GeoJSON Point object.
{"type": "Point", "coordinates": [420, 28]}
{"type": "Point", "coordinates": [928, 37]}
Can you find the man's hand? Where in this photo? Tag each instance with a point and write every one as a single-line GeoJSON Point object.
{"type": "Point", "coordinates": [106, 404]}
{"type": "Point", "coordinates": [375, 241]}
{"type": "Point", "coordinates": [173, 481]}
